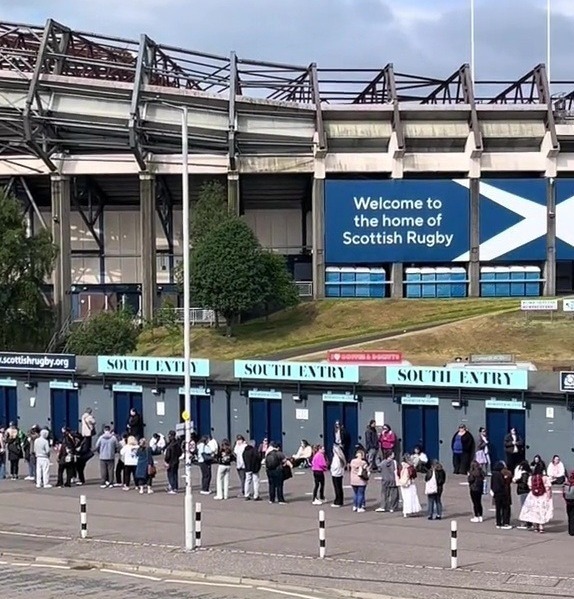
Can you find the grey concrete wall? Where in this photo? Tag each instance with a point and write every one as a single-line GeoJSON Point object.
{"type": "Point", "coordinates": [239, 415]}
{"type": "Point", "coordinates": [296, 430]}
{"type": "Point", "coordinates": [549, 436]}
{"type": "Point", "coordinates": [473, 416]}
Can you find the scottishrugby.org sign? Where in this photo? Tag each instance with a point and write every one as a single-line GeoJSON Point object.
{"type": "Point", "coordinates": [38, 362]}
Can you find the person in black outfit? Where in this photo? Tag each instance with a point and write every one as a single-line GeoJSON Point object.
{"type": "Point", "coordinates": [274, 462]}
{"type": "Point", "coordinates": [372, 445]}
{"type": "Point", "coordinates": [66, 459]}
{"type": "Point", "coordinates": [171, 458]}
{"type": "Point", "coordinates": [476, 487]}
{"type": "Point", "coordinates": [514, 449]}
{"type": "Point", "coordinates": [135, 426]}
{"type": "Point", "coordinates": [84, 454]}
{"type": "Point", "coordinates": [343, 439]}
{"type": "Point", "coordinates": [462, 450]}
{"type": "Point", "coordinates": [569, 498]}
{"type": "Point", "coordinates": [252, 459]}
{"type": "Point", "coordinates": [500, 486]}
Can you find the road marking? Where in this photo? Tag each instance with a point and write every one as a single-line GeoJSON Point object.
{"type": "Point", "coordinates": [227, 585]}
{"type": "Point", "coordinates": [23, 564]}
{"type": "Point", "coordinates": [131, 575]}
{"type": "Point", "coordinates": [289, 593]}
{"type": "Point", "coordinates": [34, 535]}
{"type": "Point", "coordinates": [51, 566]}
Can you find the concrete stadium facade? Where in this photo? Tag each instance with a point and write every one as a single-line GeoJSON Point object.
{"type": "Point", "coordinates": [90, 142]}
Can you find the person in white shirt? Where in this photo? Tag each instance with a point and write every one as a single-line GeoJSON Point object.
{"type": "Point", "coordinates": [419, 459]}
{"type": "Point", "coordinates": [157, 444]}
{"type": "Point", "coordinates": [302, 459]}
{"type": "Point", "coordinates": [556, 471]}
{"type": "Point", "coordinates": [129, 456]}
{"type": "Point", "coordinates": [88, 426]}
{"type": "Point", "coordinates": [238, 450]}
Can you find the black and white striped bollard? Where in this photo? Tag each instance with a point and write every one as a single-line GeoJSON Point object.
{"type": "Point", "coordinates": [453, 545]}
{"type": "Point", "coordinates": [321, 534]}
{"type": "Point", "coordinates": [198, 525]}
{"type": "Point", "coordinates": [83, 517]}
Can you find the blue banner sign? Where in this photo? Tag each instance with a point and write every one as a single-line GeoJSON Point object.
{"type": "Point", "coordinates": [144, 366]}
{"type": "Point", "coordinates": [421, 376]}
{"type": "Point", "coordinates": [295, 371]}
{"type": "Point", "coordinates": [38, 362]}
{"type": "Point", "coordinates": [396, 221]}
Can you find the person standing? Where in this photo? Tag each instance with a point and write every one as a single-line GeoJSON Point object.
{"type": "Point", "coordinates": [435, 479]}
{"type": "Point", "coordinates": [476, 478]}
{"type": "Point", "coordinates": [521, 477]}
{"type": "Point", "coordinates": [66, 459]}
{"type": "Point", "coordinates": [343, 438]}
{"type": "Point", "coordinates": [33, 434]}
{"type": "Point", "coordinates": [224, 460]}
{"type": "Point", "coordinates": [88, 427]}
{"type": "Point", "coordinates": [338, 465]}
{"type": "Point", "coordinates": [482, 450]}
{"type": "Point", "coordinates": [514, 449]}
{"type": "Point", "coordinates": [275, 461]}
{"type": "Point", "coordinates": [252, 460]}
{"type": "Point", "coordinates": [107, 447]}
{"type": "Point", "coordinates": [359, 480]}
{"type": "Point", "coordinates": [171, 456]}
{"type": "Point", "coordinates": [2, 453]}
{"type": "Point", "coordinates": [135, 424]}
{"type": "Point", "coordinates": [129, 457]}
{"type": "Point", "coordinates": [205, 459]}
{"type": "Point", "coordinates": [387, 440]}
{"type": "Point", "coordinates": [42, 453]}
{"type": "Point", "coordinates": [145, 468]}
{"type": "Point", "coordinates": [407, 485]}
{"type": "Point", "coordinates": [568, 494]}
{"type": "Point", "coordinates": [501, 491]}
{"type": "Point", "coordinates": [319, 466]}
{"type": "Point", "coordinates": [14, 450]}
{"type": "Point", "coordinates": [238, 450]}
{"type": "Point", "coordinates": [372, 445]}
{"type": "Point", "coordinates": [538, 507]}
{"type": "Point", "coordinates": [462, 450]}
{"type": "Point", "coordinates": [389, 490]}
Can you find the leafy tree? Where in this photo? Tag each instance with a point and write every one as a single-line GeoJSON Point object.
{"type": "Point", "coordinates": [25, 264]}
{"type": "Point", "coordinates": [227, 271]}
{"type": "Point", "coordinates": [106, 333]}
{"type": "Point", "coordinates": [210, 210]}
{"type": "Point", "coordinates": [279, 289]}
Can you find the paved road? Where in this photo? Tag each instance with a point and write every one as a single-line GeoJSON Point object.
{"type": "Point", "coordinates": [370, 551]}
{"type": "Point", "coordinates": [22, 580]}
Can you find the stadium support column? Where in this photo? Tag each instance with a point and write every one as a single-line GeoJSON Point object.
{"type": "Point", "coordinates": [233, 199]}
{"type": "Point", "coordinates": [550, 264]}
{"type": "Point", "coordinates": [148, 246]}
{"type": "Point", "coordinates": [474, 262]}
{"type": "Point", "coordinates": [397, 278]}
{"type": "Point", "coordinates": [61, 189]}
{"type": "Point", "coordinates": [318, 226]}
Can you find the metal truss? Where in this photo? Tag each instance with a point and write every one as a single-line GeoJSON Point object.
{"type": "Point", "coordinates": [164, 209]}
{"type": "Point", "coordinates": [19, 188]}
{"type": "Point", "coordinates": [31, 56]}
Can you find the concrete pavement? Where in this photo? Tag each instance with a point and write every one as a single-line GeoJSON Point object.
{"type": "Point", "coordinates": [370, 552]}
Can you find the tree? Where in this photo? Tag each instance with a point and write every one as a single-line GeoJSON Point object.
{"type": "Point", "coordinates": [279, 289]}
{"type": "Point", "coordinates": [210, 210]}
{"type": "Point", "coordinates": [106, 333]}
{"type": "Point", "coordinates": [25, 264]}
{"type": "Point", "coordinates": [227, 271]}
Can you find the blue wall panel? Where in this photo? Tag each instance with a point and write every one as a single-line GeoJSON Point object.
{"type": "Point", "coordinates": [564, 189]}
{"type": "Point", "coordinates": [373, 222]}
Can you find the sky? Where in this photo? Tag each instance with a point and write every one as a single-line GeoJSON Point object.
{"type": "Point", "coordinates": [423, 37]}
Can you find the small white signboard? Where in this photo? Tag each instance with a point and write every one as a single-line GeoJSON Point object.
{"type": "Point", "coordinates": [541, 305]}
{"type": "Point", "coordinates": [302, 414]}
{"type": "Point", "coordinates": [379, 419]}
{"type": "Point", "coordinates": [568, 305]}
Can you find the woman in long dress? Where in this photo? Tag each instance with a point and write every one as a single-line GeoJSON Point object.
{"type": "Point", "coordinates": [407, 476]}
{"type": "Point", "coordinates": [538, 506]}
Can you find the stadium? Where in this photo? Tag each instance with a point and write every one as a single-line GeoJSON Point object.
{"type": "Point", "coordinates": [373, 183]}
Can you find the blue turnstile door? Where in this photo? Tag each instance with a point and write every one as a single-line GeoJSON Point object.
{"type": "Point", "coordinates": [8, 406]}
{"type": "Point", "coordinates": [347, 413]}
{"type": "Point", "coordinates": [498, 425]}
{"type": "Point", "coordinates": [420, 427]}
{"type": "Point", "coordinates": [266, 420]}
{"type": "Point", "coordinates": [64, 411]}
{"type": "Point", "coordinates": [124, 401]}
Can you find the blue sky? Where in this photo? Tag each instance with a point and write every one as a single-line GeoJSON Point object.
{"type": "Point", "coordinates": [428, 37]}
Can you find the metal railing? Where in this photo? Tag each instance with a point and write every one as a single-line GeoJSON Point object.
{"type": "Point", "coordinates": [199, 317]}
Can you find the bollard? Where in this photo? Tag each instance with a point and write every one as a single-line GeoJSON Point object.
{"type": "Point", "coordinates": [453, 545]}
{"type": "Point", "coordinates": [83, 517]}
{"type": "Point", "coordinates": [321, 534]}
{"type": "Point", "coordinates": [198, 525]}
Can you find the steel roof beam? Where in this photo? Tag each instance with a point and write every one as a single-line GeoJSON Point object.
{"type": "Point", "coordinates": [232, 111]}
{"type": "Point", "coordinates": [316, 98]}
{"type": "Point", "coordinates": [543, 87]}
{"type": "Point", "coordinates": [134, 122]}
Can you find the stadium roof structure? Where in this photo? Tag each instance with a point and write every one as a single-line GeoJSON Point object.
{"type": "Point", "coordinates": [36, 61]}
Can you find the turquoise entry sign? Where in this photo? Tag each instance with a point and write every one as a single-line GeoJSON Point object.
{"type": "Point", "coordinates": [316, 372]}
{"type": "Point", "coordinates": [145, 366]}
{"type": "Point", "coordinates": [420, 376]}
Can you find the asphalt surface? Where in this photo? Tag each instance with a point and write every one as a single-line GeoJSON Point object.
{"type": "Point", "coordinates": [21, 579]}
{"type": "Point", "coordinates": [370, 552]}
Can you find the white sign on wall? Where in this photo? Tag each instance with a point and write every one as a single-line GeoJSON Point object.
{"type": "Point", "coordinates": [568, 305]}
{"type": "Point", "coordinates": [379, 419]}
{"type": "Point", "coordinates": [302, 414]}
{"type": "Point", "coordinates": [539, 305]}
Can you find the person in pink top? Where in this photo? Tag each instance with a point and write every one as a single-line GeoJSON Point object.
{"type": "Point", "coordinates": [387, 439]}
{"type": "Point", "coordinates": [359, 479]}
{"type": "Point", "coordinates": [319, 466]}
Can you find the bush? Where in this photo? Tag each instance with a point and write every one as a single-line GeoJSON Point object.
{"type": "Point", "coordinates": [106, 333]}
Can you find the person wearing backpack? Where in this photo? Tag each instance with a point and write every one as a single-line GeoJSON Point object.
{"type": "Point", "coordinates": [538, 507]}
{"type": "Point", "coordinates": [569, 499]}
{"type": "Point", "coordinates": [435, 479]}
